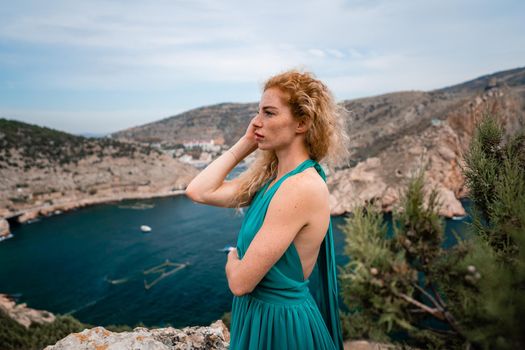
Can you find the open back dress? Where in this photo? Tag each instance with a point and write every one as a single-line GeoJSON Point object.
{"type": "Point", "coordinates": [284, 311]}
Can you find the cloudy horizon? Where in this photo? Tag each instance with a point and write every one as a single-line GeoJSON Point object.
{"type": "Point", "coordinates": [101, 66]}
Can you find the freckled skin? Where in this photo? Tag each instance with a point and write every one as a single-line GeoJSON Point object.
{"type": "Point", "coordinates": [276, 123]}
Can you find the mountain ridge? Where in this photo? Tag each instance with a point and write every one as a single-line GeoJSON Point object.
{"type": "Point", "coordinates": [434, 125]}
{"type": "Point", "coordinates": [240, 112]}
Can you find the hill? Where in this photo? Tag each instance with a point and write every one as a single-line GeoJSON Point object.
{"type": "Point", "coordinates": [45, 170]}
{"type": "Point", "coordinates": [391, 135]}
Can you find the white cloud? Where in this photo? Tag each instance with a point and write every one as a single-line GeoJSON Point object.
{"type": "Point", "coordinates": [360, 47]}
{"type": "Point", "coordinates": [335, 53]}
{"type": "Point", "coordinates": [317, 53]}
{"type": "Point", "coordinates": [383, 62]}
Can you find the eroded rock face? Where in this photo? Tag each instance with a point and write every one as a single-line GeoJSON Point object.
{"type": "Point", "coordinates": [435, 138]}
{"type": "Point", "coordinates": [216, 336]}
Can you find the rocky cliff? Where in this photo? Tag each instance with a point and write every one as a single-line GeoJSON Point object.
{"type": "Point", "coordinates": [395, 134]}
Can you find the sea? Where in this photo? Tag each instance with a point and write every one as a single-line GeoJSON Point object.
{"type": "Point", "coordinates": [96, 263]}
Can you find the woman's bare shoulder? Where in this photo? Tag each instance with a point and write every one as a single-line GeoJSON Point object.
{"type": "Point", "coordinates": [302, 198]}
{"type": "Point", "coordinates": [307, 184]}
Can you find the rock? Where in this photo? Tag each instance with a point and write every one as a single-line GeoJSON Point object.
{"type": "Point", "coordinates": [446, 153]}
{"type": "Point", "coordinates": [389, 198]}
{"type": "Point", "coordinates": [4, 228]}
{"type": "Point", "coordinates": [22, 314]}
{"type": "Point", "coordinates": [451, 206]}
{"type": "Point", "coordinates": [29, 215]}
{"type": "Point", "coordinates": [215, 336]}
{"type": "Point", "coordinates": [367, 345]}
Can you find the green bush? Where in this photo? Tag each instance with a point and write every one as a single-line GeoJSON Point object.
{"type": "Point", "coordinates": [408, 289]}
{"type": "Point", "coordinates": [14, 336]}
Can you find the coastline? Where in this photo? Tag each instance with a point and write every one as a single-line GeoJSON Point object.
{"type": "Point", "coordinates": [33, 213]}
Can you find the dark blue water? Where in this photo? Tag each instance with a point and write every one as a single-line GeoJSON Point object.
{"type": "Point", "coordinates": [64, 263]}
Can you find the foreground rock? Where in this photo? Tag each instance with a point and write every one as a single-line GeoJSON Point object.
{"type": "Point", "coordinates": [366, 345]}
{"type": "Point", "coordinates": [216, 336]}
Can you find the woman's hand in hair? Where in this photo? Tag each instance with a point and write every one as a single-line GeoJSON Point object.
{"type": "Point", "coordinates": [250, 133]}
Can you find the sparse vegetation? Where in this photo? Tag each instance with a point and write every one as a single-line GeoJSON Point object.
{"type": "Point", "coordinates": [43, 147]}
{"type": "Point", "coordinates": [14, 336]}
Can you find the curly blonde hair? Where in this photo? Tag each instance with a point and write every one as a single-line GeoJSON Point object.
{"type": "Point", "coordinates": [326, 138]}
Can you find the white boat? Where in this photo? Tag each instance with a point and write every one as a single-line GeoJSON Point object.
{"type": "Point", "coordinates": [145, 228]}
{"type": "Point", "coordinates": [10, 235]}
{"type": "Point", "coordinates": [227, 248]}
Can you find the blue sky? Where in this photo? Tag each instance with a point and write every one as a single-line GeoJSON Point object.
{"type": "Point", "coordinates": [102, 66]}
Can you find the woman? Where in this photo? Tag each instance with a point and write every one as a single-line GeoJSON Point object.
{"type": "Point", "coordinates": [286, 234]}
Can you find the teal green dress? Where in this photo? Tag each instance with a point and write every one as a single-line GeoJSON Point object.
{"type": "Point", "coordinates": [284, 311]}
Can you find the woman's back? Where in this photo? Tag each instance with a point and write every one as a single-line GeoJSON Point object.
{"type": "Point", "coordinates": [309, 238]}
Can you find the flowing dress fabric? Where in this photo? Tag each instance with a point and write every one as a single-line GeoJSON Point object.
{"type": "Point", "coordinates": [284, 311]}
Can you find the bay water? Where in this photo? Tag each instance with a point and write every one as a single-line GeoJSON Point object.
{"type": "Point", "coordinates": [93, 262]}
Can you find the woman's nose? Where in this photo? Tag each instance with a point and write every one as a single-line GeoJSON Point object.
{"type": "Point", "coordinates": [257, 121]}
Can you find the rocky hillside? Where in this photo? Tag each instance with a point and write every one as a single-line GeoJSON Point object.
{"type": "Point", "coordinates": [43, 170]}
{"type": "Point", "coordinates": [225, 123]}
{"type": "Point", "coordinates": [392, 135]}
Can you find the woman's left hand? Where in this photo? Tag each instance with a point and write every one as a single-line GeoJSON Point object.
{"type": "Point", "coordinates": [233, 263]}
{"type": "Point", "coordinates": [233, 254]}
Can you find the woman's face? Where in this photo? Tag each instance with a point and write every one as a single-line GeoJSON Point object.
{"type": "Point", "coordinates": [274, 121]}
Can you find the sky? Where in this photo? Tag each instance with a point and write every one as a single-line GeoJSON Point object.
{"type": "Point", "coordinates": [103, 66]}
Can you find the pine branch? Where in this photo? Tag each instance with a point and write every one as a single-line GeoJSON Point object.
{"type": "Point", "coordinates": [441, 331]}
{"type": "Point", "coordinates": [432, 300]}
{"type": "Point", "coordinates": [448, 316]}
{"type": "Point", "coordinates": [433, 311]}
{"type": "Point", "coordinates": [438, 296]}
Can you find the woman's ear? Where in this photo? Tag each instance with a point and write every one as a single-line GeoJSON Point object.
{"type": "Point", "coordinates": [303, 126]}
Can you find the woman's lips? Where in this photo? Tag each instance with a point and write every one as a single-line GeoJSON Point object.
{"type": "Point", "coordinates": [258, 136]}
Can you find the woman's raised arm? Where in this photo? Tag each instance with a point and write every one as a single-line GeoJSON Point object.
{"type": "Point", "coordinates": [209, 186]}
